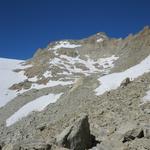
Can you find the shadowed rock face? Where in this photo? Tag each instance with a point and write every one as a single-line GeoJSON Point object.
{"type": "Point", "coordinates": [77, 136]}
{"type": "Point", "coordinates": [115, 120]}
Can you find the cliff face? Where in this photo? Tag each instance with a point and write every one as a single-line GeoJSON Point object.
{"type": "Point", "coordinates": [105, 78]}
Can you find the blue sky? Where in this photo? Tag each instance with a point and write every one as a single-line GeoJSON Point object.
{"type": "Point", "coordinates": [26, 25]}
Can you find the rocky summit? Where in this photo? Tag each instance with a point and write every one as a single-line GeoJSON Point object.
{"type": "Point", "coordinates": [92, 93]}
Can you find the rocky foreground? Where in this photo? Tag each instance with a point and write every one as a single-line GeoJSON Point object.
{"type": "Point", "coordinates": [95, 93]}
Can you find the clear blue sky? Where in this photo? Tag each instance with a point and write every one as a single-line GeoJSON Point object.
{"type": "Point", "coordinates": [26, 25]}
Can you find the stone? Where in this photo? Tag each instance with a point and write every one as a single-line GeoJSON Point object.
{"type": "Point", "coordinates": [110, 145]}
{"type": "Point", "coordinates": [146, 130]}
{"type": "Point", "coordinates": [22, 85]}
{"type": "Point", "coordinates": [61, 139]}
{"type": "Point", "coordinates": [11, 146]}
{"type": "Point", "coordinates": [34, 145]}
{"type": "Point", "coordinates": [8, 147]}
{"type": "Point", "coordinates": [41, 127]}
{"type": "Point", "coordinates": [1, 145]}
{"type": "Point", "coordinates": [132, 134]}
{"type": "Point", "coordinates": [77, 136]}
{"type": "Point", "coordinates": [125, 82]}
{"type": "Point", "coordinates": [55, 147]}
{"type": "Point", "coordinates": [102, 134]}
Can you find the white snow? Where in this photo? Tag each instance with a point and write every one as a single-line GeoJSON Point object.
{"type": "Point", "coordinates": [8, 77]}
{"type": "Point", "coordinates": [68, 63]}
{"type": "Point", "coordinates": [47, 74]}
{"type": "Point", "coordinates": [113, 81]}
{"type": "Point", "coordinates": [108, 61]}
{"type": "Point", "coordinates": [146, 98]}
{"type": "Point", "coordinates": [36, 105]}
{"type": "Point", "coordinates": [34, 79]}
{"type": "Point", "coordinates": [64, 44]}
{"type": "Point", "coordinates": [51, 84]}
{"type": "Point", "coordinates": [100, 40]}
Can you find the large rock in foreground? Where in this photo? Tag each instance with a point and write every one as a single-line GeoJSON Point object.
{"type": "Point", "coordinates": [77, 136]}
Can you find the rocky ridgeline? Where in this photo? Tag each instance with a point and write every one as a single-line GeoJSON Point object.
{"type": "Point", "coordinates": [80, 119]}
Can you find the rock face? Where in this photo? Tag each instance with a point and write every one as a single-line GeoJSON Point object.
{"type": "Point", "coordinates": [77, 136]}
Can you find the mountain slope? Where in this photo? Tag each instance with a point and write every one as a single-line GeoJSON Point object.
{"type": "Point", "coordinates": [71, 77]}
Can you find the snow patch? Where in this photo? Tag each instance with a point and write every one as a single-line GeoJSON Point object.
{"type": "Point", "coordinates": [113, 81]}
{"type": "Point", "coordinates": [9, 77]}
{"type": "Point", "coordinates": [64, 44]}
{"type": "Point", "coordinates": [47, 74]}
{"type": "Point", "coordinates": [51, 84]}
{"type": "Point", "coordinates": [36, 105]}
{"type": "Point", "coordinates": [100, 40]}
{"type": "Point", "coordinates": [107, 62]}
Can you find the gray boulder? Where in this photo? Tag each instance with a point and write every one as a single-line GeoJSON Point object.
{"type": "Point", "coordinates": [28, 145]}
{"type": "Point", "coordinates": [11, 146]}
{"type": "Point", "coordinates": [146, 130]}
{"type": "Point", "coordinates": [125, 82]}
{"type": "Point", "coordinates": [77, 136]}
{"type": "Point", "coordinates": [132, 134]}
{"type": "Point", "coordinates": [110, 145]}
{"type": "Point", "coordinates": [1, 145]}
{"type": "Point", "coordinates": [8, 147]}
{"type": "Point", "coordinates": [36, 144]}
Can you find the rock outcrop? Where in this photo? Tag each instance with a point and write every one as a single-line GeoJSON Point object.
{"type": "Point", "coordinates": [132, 134]}
{"type": "Point", "coordinates": [125, 82]}
{"type": "Point", "coordinates": [76, 136]}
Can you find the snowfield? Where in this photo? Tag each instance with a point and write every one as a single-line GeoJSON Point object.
{"type": "Point", "coordinates": [113, 81]}
{"type": "Point", "coordinates": [36, 105]}
{"type": "Point", "coordinates": [64, 44]}
{"type": "Point", "coordinates": [8, 77]}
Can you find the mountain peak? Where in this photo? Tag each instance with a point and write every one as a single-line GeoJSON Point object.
{"type": "Point", "coordinates": [145, 30]}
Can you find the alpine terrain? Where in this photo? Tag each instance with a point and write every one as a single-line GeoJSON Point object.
{"type": "Point", "coordinates": [92, 93]}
